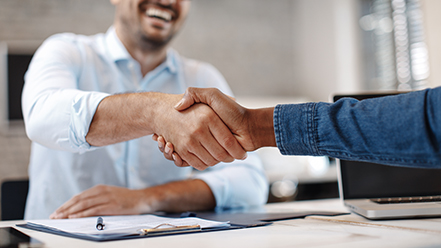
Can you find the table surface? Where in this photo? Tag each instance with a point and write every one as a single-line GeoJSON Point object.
{"type": "Point", "coordinates": [313, 231]}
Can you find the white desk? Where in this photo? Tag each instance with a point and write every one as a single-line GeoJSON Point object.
{"type": "Point", "coordinates": [314, 231]}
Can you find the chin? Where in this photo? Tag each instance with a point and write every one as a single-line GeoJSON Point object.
{"type": "Point", "coordinates": [156, 42]}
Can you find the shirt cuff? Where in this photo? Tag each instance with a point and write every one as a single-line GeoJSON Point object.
{"type": "Point", "coordinates": [218, 184]}
{"type": "Point", "coordinates": [82, 111]}
{"type": "Point", "coordinates": [295, 129]}
{"type": "Point", "coordinates": [239, 184]}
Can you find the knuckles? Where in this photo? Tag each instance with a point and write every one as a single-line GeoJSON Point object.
{"type": "Point", "coordinates": [220, 156]}
{"type": "Point", "coordinates": [102, 188]}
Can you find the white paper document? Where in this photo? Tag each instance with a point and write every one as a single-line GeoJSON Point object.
{"type": "Point", "coordinates": [120, 225]}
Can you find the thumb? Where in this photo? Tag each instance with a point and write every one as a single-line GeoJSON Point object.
{"type": "Point", "coordinates": [186, 101]}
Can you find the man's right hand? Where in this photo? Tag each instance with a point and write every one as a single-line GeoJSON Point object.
{"type": "Point", "coordinates": [236, 117]}
{"type": "Point", "coordinates": [200, 136]}
{"type": "Point", "coordinates": [253, 128]}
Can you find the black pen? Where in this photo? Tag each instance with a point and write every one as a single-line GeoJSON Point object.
{"type": "Point", "coordinates": [100, 224]}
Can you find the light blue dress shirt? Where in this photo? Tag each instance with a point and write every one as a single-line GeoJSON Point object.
{"type": "Point", "coordinates": [68, 77]}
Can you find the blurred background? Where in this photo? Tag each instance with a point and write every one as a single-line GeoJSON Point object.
{"type": "Point", "coordinates": [279, 51]}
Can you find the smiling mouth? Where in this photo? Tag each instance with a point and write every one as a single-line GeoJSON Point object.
{"type": "Point", "coordinates": [160, 14]}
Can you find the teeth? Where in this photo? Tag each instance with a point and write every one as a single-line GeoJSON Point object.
{"type": "Point", "coordinates": [152, 12]}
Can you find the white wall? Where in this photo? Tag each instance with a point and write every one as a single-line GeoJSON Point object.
{"type": "Point", "coordinates": [432, 22]}
{"type": "Point", "coordinates": [249, 41]}
{"type": "Point", "coordinates": [24, 24]}
{"type": "Point", "coordinates": [327, 58]}
{"type": "Point", "coordinates": [292, 48]}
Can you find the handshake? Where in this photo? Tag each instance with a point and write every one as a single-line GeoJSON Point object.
{"type": "Point", "coordinates": [226, 134]}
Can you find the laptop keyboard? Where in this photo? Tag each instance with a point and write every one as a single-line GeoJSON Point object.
{"type": "Point", "coordinates": [388, 200]}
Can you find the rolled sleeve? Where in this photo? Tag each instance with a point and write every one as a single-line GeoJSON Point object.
{"type": "Point", "coordinates": [82, 111]}
{"type": "Point", "coordinates": [57, 114]}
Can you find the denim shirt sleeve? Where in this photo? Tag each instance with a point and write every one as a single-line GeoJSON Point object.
{"type": "Point", "coordinates": [396, 130]}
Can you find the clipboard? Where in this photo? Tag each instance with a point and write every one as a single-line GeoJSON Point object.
{"type": "Point", "coordinates": [163, 229]}
{"type": "Point", "coordinates": [238, 221]}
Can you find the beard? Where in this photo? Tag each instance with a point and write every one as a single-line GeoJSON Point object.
{"type": "Point", "coordinates": [155, 43]}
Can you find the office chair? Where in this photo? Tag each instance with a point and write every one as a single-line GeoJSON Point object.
{"type": "Point", "coordinates": [13, 200]}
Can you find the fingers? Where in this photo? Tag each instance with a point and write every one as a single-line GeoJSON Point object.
{"type": "Point", "coordinates": [102, 200]}
{"type": "Point", "coordinates": [79, 203]}
{"type": "Point", "coordinates": [161, 143]}
{"type": "Point", "coordinates": [211, 149]}
{"type": "Point", "coordinates": [168, 151]}
{"type": "Point", "coordinates": [178, 161]}
{"type": "Point", "coordinates": [209, 138]}
{"type": "Point", "coordinates": [170, 154]}
{"type": "Point", "coordinates": [197, 163]}
{"type": "Point", "coordinates": [92, 211]}
{"type": "Point", "coordinates": [198, 158]}
{"type": "Point", "coordinates": [227, 140]}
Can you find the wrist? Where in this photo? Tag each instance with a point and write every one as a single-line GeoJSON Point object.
{"type": "Point", "coordinates": [152, 111]}
{"type": "Point", "coordinates": [161, 111]}
{"type": "Point", "coordinates": [149, 200]}
{"type": "Point", "coordinates": [262, 129]}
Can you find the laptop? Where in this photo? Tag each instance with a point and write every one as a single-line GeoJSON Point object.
{"type": "Point", "coordinates": [378, 191]}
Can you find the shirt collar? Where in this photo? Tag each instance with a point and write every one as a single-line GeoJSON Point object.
{"type": "Point", "coordinates": [118, 51]}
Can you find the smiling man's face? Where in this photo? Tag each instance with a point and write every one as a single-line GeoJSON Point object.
{"type": "Point", "coordinates": [149, 23]}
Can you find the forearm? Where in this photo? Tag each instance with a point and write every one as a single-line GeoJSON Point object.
{"type": "Point", "coordinates": [179, 196]}
{"type": "Point", "coordinates": [124, 117]}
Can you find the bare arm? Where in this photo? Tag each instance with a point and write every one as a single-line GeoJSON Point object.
{"type": "Point", "coordinates": [203, 138]}
{"type": "Point", "coordinates": [123, 117]}
{"type": "Point", "coordinates": [179, 196]}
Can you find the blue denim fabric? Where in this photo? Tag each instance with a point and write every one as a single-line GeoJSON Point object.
{"type": "Point", "coordinates": [396, 130]}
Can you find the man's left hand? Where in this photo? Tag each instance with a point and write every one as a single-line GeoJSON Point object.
{"type": "Point", "coordinates": [102, 200]}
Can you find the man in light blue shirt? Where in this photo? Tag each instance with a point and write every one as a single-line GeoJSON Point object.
{"type": "Point", "coordinates": [92, 153]}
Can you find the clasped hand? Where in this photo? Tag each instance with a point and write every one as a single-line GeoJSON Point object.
{"type": "Point", "coordinates": [251, 128]}
{"type": "Point", "coordinates": [199, 135]}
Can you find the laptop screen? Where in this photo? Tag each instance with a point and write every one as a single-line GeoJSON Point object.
{"type": "Point", "coordinates": [370, 180]}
